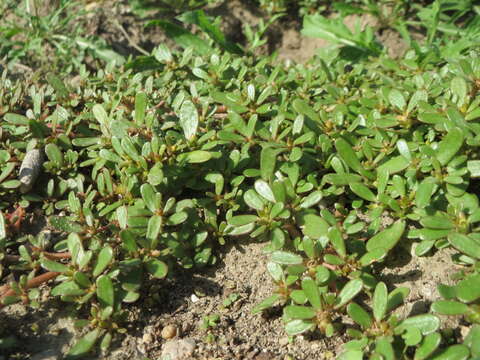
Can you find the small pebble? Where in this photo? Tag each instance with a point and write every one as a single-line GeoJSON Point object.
{"type": "Point", "coordinates": [169, 332]}
{"type": "Point", "coordinates": [178, 349]}
{"type": "Point", "coordinates": [194, 298]}
{"type": "Point", "coordinates": [147, 338]}
{"type": "Point", "coordinates": [283, 341]}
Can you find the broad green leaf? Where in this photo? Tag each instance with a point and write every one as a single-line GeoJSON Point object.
{"type": "Point", "coordinates": [349, 156]}
{"type": "Point", "coordinates": [465, 244]}
{"type": "Point", "coordinates": [428, 345]}
{"type": "Point", "coordinates": [105, 291]}
{"type": "Point", "coordinates": [268, 159]}
{"type": "Point", "coordinates": [183, 37]}
{"type": "Point", "coordinates": [83, 346]}
{"type": "Point", "coordinates": [396, 99]}
{"type": "Point", "coordinates": [314, 226]}
{"type": "Point", "coordinates": [51, 265]}
{"type": "Point", "coordinates": [384, 347]}
{"type": "Point", "coordinates": [311, 200]}
{"type": "Point", "coordinates": [394, 165]}
{"type": "Point", "coordinates": [310, 289]}
{"type": "Point", "coordinates": [240, 220]}
{"type": "Point", "coordinates": [380, 298]}
{"type": "Point", "coordinates": [157, 268]}
{"type": "Point", "coordinates": [253, 200]}
{"type": "Point", "coordinates": [199, 18]}
{"type": "Point", "coordinates": [388, 238]}
{"type": "Point", "coordinates": [154, 227]}
{"type": "Point", "coordinates": [439, 222]}
{"type": "Point", "coordinates": [122, 216]}
{"type": "Point", "coordinates": [286, 258]}
{"type": "Point", "coordinates": [140, 107]}
{"type": "Point", "coordinates": [298, 326]}
{"type": "Point", "coordinates": [100, 114]}
{"type": "Point", "coordinates": [397, 297]}
{"type": "Point", "coordinates": [474, 168]}
{"type": "Point", "coordinates": [188, 117]}
{"type": "Point", "coordinates": [359, 315]}
{"type": "Point", "coordinates": [195, 157]}
{"type": "Point", "coordinates": [424, 194]}
{"type": "Point", "coordinates": [448, 307]}
{"type": "Point", "coordinates": [149, 197]}
{"type": "Point", "coordinates": [337, 241]}
{"type": "Point", "coordinates": [155, 175]}
{"type": "Point", "coordinates": [264, 190]}
{"type": "Point", "coordinates": [103, 260]}
{"type": "Point", "coordinates": [468, 289]}
{"type": "Point", "coordinates": [67, 288]}
{"type": "Point", "coordinates": [363, 191]}
{"type": "Point", "coordinates": [303, 108]}
{"type": "Point", "coordinates": [267, 303]}
{"type": "Point", "coordinates": [453, 352]}
{"type": "Point", "coordinates": [426, 323]}
{"type": "Point", "coordinates": [472, 340]}
{"type": "Point", "coordinates": [348, 292]}
{"type": "Point", "coordinates": [449, 146]}
{"type": "Point", "coordinates": [459, 89]}
{"type": "Point", "coordinates": [299, 312]}
{"type": "Point", "coordinates": [54, 154]}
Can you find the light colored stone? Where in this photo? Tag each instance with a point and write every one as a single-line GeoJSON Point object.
{"type": "Point", "coordinates": [283, 341]}
{"type": "Point", "coordinates": [178, 349]}
{"type": "Point", "coordinates": [169, 332]}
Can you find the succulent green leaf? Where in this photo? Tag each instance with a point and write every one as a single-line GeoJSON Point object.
{"type": "Point", "coordinates": [299, 312]}
{"type": "Point", "coordinates": [253, 200]}
{"type": "Point", "coordinates": [468, 289]}
{"type": "Point", "coordinates": [428, 346]}
{"type": "Point", "coordinates": [359, 315]}
{"type": "Point", "coordinates": [298, 326]}
{"type": "Point", "coordinates": [380, 298]}
{"type": "Point", "coordinates": [54, 154]}
{"type": "Point", "coordinates": [448, 307]}
{"type": "Point", "coordinates": [157, 268]}
{"type": "Point", "coordinates": [348, 292]}
{"type": "Point", "coordinates": [465, 244]}
{"type": "Point", "coordinates": [105, 291]}
{"type": "Point", "coordinates": [51, 265]}
{"type": "Point", "coordinates": [83, 346]}
{"type": "Point", "coordinates": [286, 258]}
{"type": "Point", "coordinates": [267, 303]}
{"type": "Point", "coordinates": [188, 117]}
{"type": "Point", "coordinates": [314, 226]}
{"type": "Point", "coordinates": [426, 323]}
{"type": "Point", "coordinates": [449, 146]}
{"type": "Point", "coordinates": [310, 289]}
{"type": "Point", "coordinates": [388, 238]}
{"type": "Point", "coordinates": [264, 190]}
{"type": "Point", "coordinates": [103, 260]}
{"type": "Point", "coordinates": [453, 352]}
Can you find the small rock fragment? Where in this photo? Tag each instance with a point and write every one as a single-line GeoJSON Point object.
{"type": "Point", "coordinates": [169, 332]}
{"type": "Point", "coordinates": [30, 169]}
{"type": "Point", "coordinates": [178, 349]}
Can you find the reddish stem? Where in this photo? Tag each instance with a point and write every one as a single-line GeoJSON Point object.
{"type": "Point", "coordinates": [35, 282]}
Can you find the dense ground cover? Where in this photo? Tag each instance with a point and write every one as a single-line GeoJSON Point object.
{"type": "Point", "coordinates": [157, 159]}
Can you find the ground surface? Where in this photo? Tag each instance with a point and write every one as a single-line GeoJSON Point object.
{"type": "Point", "coordinates": [187, 299]}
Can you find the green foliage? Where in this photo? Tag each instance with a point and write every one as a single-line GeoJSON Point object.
{"type": "Point", "coordinates": [156, 165]}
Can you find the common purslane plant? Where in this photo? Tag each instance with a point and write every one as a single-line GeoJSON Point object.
{"type": "Point", "coordinates": [331, 164]}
